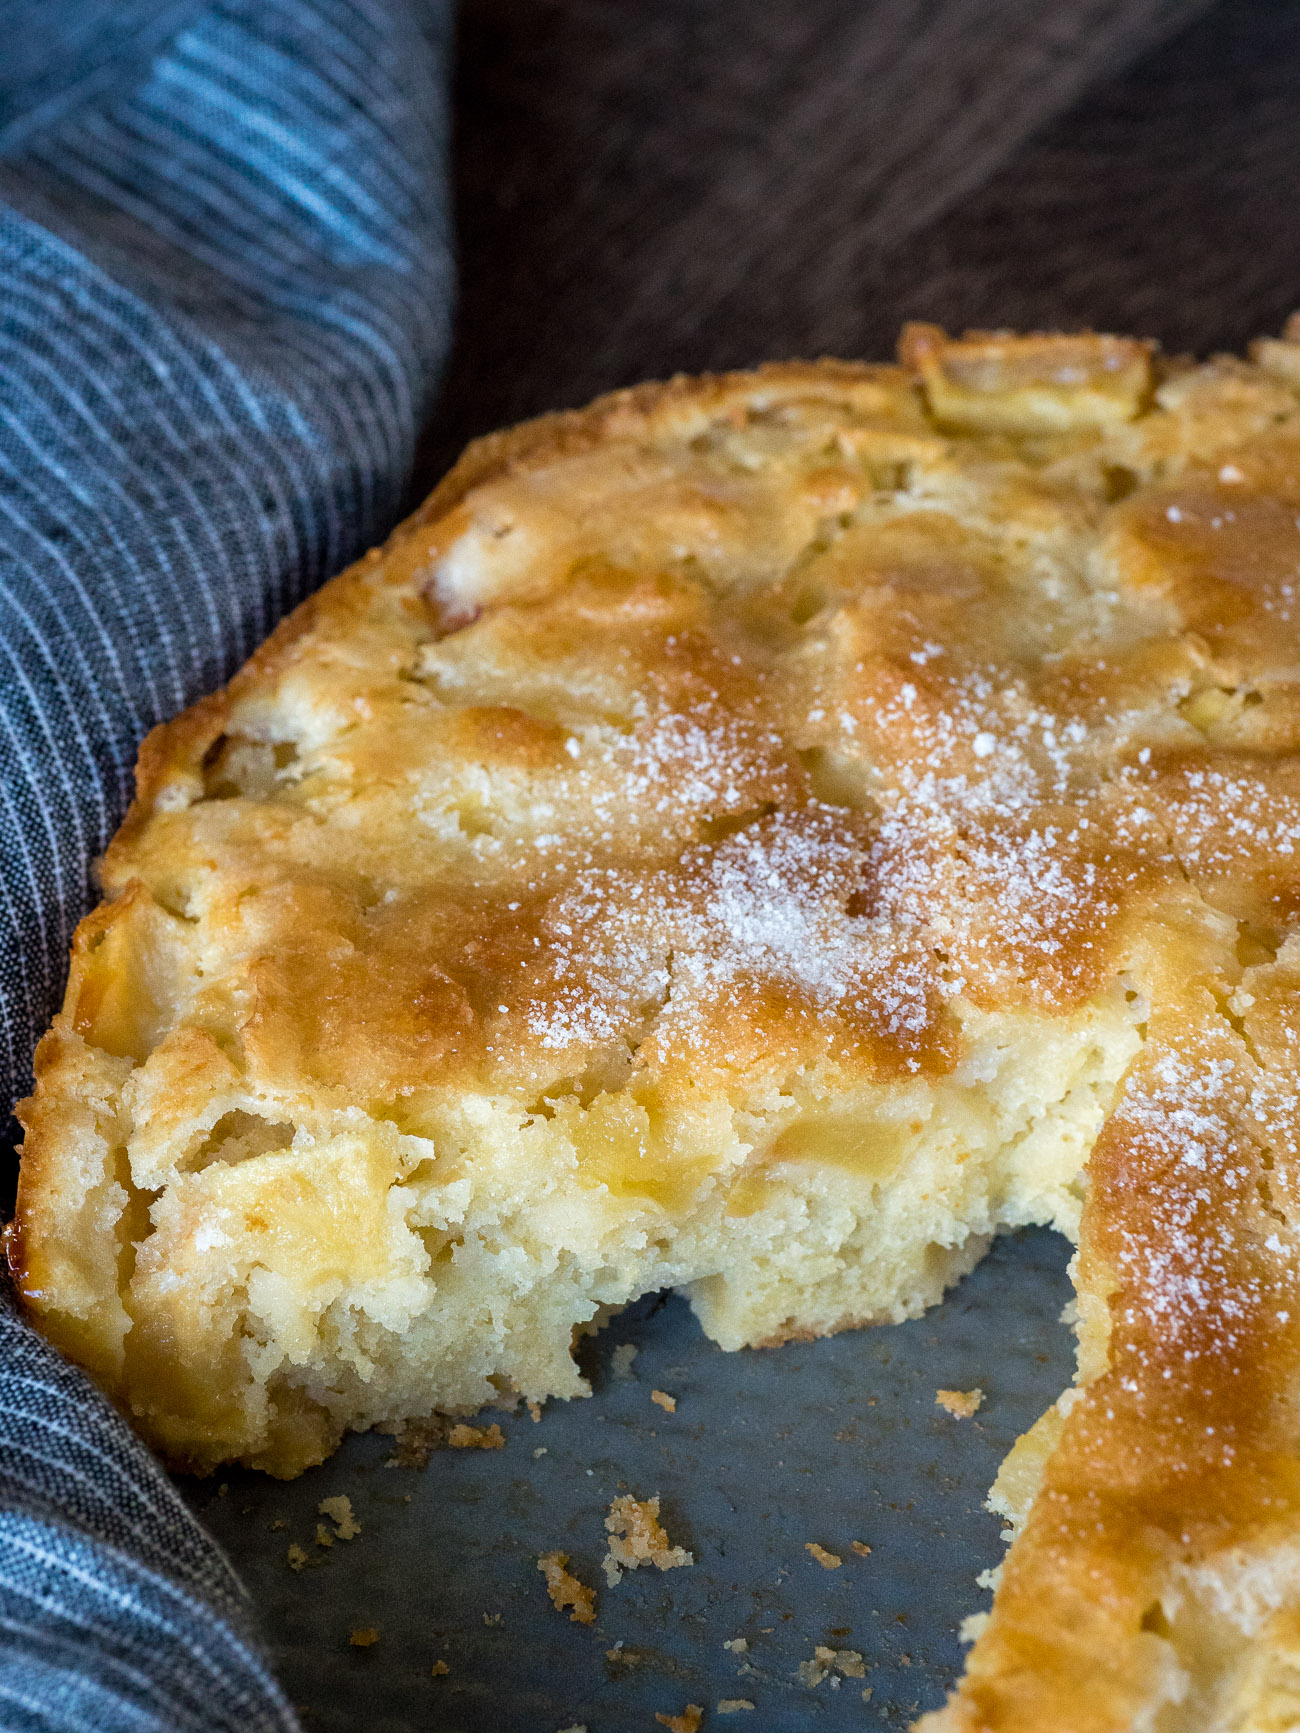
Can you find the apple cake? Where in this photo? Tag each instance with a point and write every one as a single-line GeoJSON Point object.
{"type": "Point", "coordinates": [762, 836]}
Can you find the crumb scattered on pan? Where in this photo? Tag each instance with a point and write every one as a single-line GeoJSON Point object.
{"type": "Point", "coordinates": [535, 1410]}
{"type": "Point", "coordinates": [223, 1489]}
{"type": "Point", "coordinates": [829, 1561]}
{"type": "Point", "coordinates": [866, 1694]}
{"type": "Point", "coordinates": [297, 1557]}
{"type": "Point", "coordinates": [339, 1511]}
{"type": "Point", "coordinates": [811, 1673]}
{"type": "Point", "coordinates": [462, 1437]}
{"type": "Point", "coordinates": [687, 1722]}
{"type": "Point", "coordinates": [622, 1358]}
{"type": "Point", "coordinates": [961, 1404]}
{"type": "Point", "coordinates": [364, 1637]}
{"type": "Point", "coordinates": [279, 1523]}
{"type": "Point", "coordinates": [416, 1441]}
{"type": "Point", "coordinates": [440, 1669]}
{"type": "Point", "coordinates": [733, 1705]}
{"type": "Point", "coordinates": [565, 1590]}
{"type": "Point", "coordinates": [575, 1728]}
{"type": "Point", "coordinates": [666, 1402]}
{"type": "Point", "coordinates": [494, 1618]}
{"type": "Point", "coordinates": [860, 1547]}
{"type": "Point", "coordinates": [737, 1645]}
{"type": "Point", "coordinates": [636, 1537]}
{"type": "Point", "coordinates": [323, 1535]}
{"type": "Point", "coordinates": [540, 1451]}
{"type": "Point", "coordinates": [847, 1662]}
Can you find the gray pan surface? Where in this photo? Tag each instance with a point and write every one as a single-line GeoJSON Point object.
{"type": "Point", "coordinates": [828, 1442]}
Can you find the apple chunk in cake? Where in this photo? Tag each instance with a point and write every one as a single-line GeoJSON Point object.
{"type": "Point", "coordinates": [760, 835]}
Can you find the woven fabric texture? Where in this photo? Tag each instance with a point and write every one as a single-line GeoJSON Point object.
{"type": "Point", "coordinates": [118, 1614]}
{"type": "Point", "coordinates": [226, 277]}
{"type": "Point", "coordinates": [226, 273]}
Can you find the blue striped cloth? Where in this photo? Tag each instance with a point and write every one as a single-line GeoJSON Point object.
{"type": "Point", "coordinates": [226, 282]}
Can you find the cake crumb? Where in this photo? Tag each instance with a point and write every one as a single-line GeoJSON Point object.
{"type": "Point", "coordinates": [860, 1547]}
{"type": "Point", "coordinates": [565, 1590]}
{"type": "Point", "coordinates": [535, 1411]}
{"type": "Point", "coordinates": [494, 1618]}
{"type": "Point", "coordinates": [364, 1637]}
{"type": "Point", "coordinates": [462, 1437]}
{"type": "Point", "coordinates": [297, 1557]}
{"type": "Point", "coordinates": [540, 1451]}
{"type": "Point", "coordinates": [339, 1510]}
{"type": "Point", "coordinates": [416, 1441]}
{"type": "Point", "coordinates": [961, 1404]}
{"type": "Point", "coordinates": [622, 1358]}
{"type": "Point", "coordinates": [323, 1535]}
{"type": "Point", "coordinates": [829, 1561]}
{"type": "Point", "coordinates": [733, 1705]}
{"type": "Point", "coordinates": [687, 1722]}
{"type": "Point", "coordinates": [440, 1669]}
{"type": "Point", "coordinates": [279, 1523]}
{"type": "Point", "coordinates": [666, 1402]}
{"type": "Point", "coordinates": [826, 1661]}
{"type": "Point", "coordinates": [811, 1673]}
{"type": "Point", "coordinates": [637, 1538]}
{"type": "Point", "coordinates": [737, 1645]}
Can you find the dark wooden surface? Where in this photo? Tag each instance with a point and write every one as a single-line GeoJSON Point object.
{"type": "Point", "coordinates": [687, 184]}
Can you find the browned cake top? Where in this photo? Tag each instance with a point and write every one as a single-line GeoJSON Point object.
{"type": "Point", "coordinates": [763, 691]}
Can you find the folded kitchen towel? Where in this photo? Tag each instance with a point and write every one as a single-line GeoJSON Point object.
{"type": "Point", "coordinates": [117, 1612]}
{"type": "Point", "coordinates": [225, 283]}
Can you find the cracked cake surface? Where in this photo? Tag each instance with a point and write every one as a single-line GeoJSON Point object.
{"type": "Point", "coordinates": [760, 835]}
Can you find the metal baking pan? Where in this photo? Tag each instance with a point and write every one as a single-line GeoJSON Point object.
{"type": "Point", "coordinates": [826, 1442]}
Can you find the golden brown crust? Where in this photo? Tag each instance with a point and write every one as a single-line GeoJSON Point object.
{"type": "Point", "coordinates": [827, 783]}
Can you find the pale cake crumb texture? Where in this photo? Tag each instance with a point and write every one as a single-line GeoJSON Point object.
{"type": "Point", "coordinates": [463, 1437]}
{"type": "Point", "coordinates": [761, 836]}
{"type": "Point", "coordinates": [829, 1561]}
{"type": "Point", "coordinates": [565, 1589]}
{"type": "Point", "coordinates": [339, 1510]}
{"type": "Point", "coordinates": [961, 1404]}
{"type": "Point", "coordinates": [637, 1537]}
{"type": "Point", "coordinates": [848, 1663]}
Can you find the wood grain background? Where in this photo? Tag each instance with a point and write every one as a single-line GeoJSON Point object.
{"type": "Point", "coordinates": [651, 185]}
